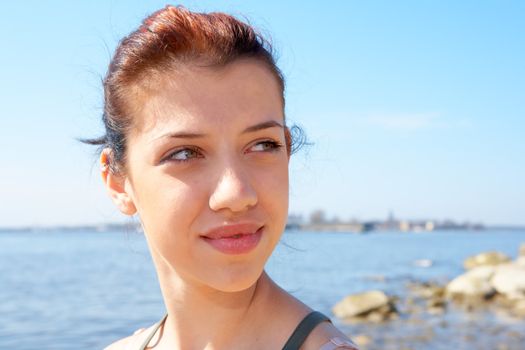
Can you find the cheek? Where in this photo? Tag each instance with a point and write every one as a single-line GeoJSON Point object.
{"type": "Point", "coordinates": [272, 188]}
{"type": "Point", "coordinates": [168, 207]}
{"type": "Point", "coordinates": [169, 225]}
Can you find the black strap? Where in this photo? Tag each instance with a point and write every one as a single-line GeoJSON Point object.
{"type": "Point", "coordinates": [299, 335]}
{"type": "Point", "coordinates": [304, 329]}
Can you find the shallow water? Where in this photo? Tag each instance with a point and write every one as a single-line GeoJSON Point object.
{"type": "Point", "coordinates": [83, 290]}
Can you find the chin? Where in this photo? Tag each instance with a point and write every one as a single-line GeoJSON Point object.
{"type": "Point", "coordinates": [236, 281]}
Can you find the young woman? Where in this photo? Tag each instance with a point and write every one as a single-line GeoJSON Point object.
{"type": "Point", "coordinates": [197, 145]}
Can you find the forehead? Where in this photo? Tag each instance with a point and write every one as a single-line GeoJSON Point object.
{"type": "Point", "coordinates": [240, 93]}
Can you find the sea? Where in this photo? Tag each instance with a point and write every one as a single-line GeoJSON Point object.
{"type": "Point", "coordinates": [86, 289]}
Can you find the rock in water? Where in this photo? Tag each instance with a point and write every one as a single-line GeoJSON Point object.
{"type": "Point", "coordinates": [473, 283]}
{"type": "Point", "coordinates": [518, 308]}
{"type": "Point", "coordinates": [360, 304]}
{"type": "Point", "coordinates": [423, 263]}
{"type": "Point", "coordinates": [522, 250]}
{"type": "Point", "coordinates": [483, 259]}
{"type": "Point", "coordinates": [427, 290]}
{"type": "Point", "coordinates": [520, 260]}
{"type": "Point", "coordinates": [509, 280]}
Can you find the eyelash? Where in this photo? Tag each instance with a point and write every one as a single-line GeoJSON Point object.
{"type": "Point", "coordinates": [274, 147]}
{"type": "Point", "coordinates": [185, 149]}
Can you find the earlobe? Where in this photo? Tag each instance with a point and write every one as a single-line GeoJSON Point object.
{"type": "Point", "coordinates": [115, 185]}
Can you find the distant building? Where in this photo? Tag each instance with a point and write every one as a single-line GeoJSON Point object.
{"type": "Point", "coordinates": [294, 222]}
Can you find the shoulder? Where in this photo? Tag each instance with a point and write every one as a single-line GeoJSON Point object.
{"type": "Point", "coordinates": [327, 337]}
{"type": "Point", "coordinates": [132, 342]}
{"type": "Point", "coordinates": [291, 312]}
{"type": "Point", "coordinates": [119, 344]}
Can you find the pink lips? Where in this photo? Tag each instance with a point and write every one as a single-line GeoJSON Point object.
{"type": "Point", "coordinates": [234, 239]}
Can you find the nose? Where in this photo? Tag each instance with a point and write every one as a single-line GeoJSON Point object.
{"type": "Point", "coordinates": [233, 191]}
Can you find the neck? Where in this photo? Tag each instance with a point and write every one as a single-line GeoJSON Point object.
{"type": "Point", "coordinates": [200, 317]}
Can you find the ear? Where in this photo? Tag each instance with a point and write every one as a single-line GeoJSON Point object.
{"type": "Point", "coordinates": [116, 185]}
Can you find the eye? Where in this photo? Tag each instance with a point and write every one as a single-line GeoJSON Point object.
{"type": "Point", "coordinates": [184, 155]}
{"type": "Point", "coordinates": [266, 146]}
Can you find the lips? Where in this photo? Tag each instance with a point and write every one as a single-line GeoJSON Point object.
{"type": "Point", "coordinates": [234, 239]}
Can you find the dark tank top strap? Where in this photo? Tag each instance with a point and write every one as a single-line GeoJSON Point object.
{"type": "Point", "coordinates": [303, 329]}
{"type": "Point", "coordinates": [153, 331]}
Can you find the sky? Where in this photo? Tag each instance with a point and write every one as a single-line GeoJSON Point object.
{"type": "Point", "coordinates": [412, 107]}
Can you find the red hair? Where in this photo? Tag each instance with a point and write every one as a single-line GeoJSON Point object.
{"type": "Point", "coordinates": [168, 38]}
{"type": "Point", "coordinates": [177, 34]}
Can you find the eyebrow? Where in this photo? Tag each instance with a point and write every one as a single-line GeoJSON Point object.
{"type": "Point", "coordinates": [262, 126]}
{"type": "Point", "coordinates": [193, 135]}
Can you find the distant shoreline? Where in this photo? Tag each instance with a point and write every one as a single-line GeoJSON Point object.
{"type": "Point", "coordinates": [321, 228]}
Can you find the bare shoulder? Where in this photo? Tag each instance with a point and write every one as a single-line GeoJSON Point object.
{"type": "Point", "coordinates": [327, 337]}
{"type": "Point", "coordinates": [119, 344]}
{"type": "Point", "coordinates": [130, 343]}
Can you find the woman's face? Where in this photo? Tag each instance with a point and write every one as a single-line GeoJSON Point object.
{"type": "Point", "coordinates": [207, 171]}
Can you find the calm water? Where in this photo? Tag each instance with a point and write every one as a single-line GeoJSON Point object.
{"type": "Point", "coordinates": [84, 290]}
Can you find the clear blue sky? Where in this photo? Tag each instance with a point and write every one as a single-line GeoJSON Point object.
{"type": "Point", "coordinates": [414, 106]}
